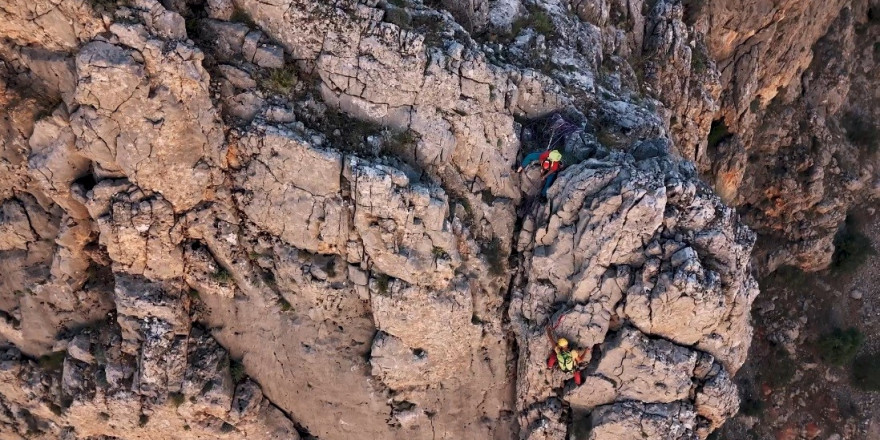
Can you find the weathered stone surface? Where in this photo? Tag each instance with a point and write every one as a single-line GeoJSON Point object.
{"type": "Point", "coordinates": [324, 200]}
{"type": "Point", "coordinates": [633, 421]}
{"type": "Point", "coordinates": [643, 243]}
{"type": "Point", "coordinates": [416, 325]}
{"type": "Point", "coordinates": [138, 231]}
{"type": "Point", "coordinates": [290, 183]}
{"type": "Point", "coordinates": [136, 112]}
{"type": "Point", "coordinates": [638, 369]}
{"type": "Point", "coordinates": [402, 225]}
{"type": "Point", "coordinates": [50, 24]}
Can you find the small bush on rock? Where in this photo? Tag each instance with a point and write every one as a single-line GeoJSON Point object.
{"type": "Point", "coordinates": [780, 371]}
{"type": "Point", "coordinates": [866, 372]}
{"type": "Point", "coordinates": [495, 257]}
{"type": "Point", "coordinates": [861, 131]}
{"type": "Point", "coordinates": [52, 361]}
{"type": "Point", "coordinates": [236, 369]}
{"type": "Point", "coordinates": [840, 346]}
{"type": "Point", "coordinates": [851, 248]}
{"type": "Point", "coordinates": [281, 81]}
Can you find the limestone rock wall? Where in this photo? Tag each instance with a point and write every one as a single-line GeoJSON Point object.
{"type": "Point", "coordinates": [635, 261]}
{"type": "Point", "coordinates": [294, 219]}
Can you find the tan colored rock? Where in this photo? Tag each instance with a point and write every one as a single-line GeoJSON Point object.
{"type": "Point", "coordinates": [129, 126]}
{"type": "Point", "coordinates": [139, 237]}
{"type": "Point", "coordinates": [402, 225]}
{"type": "Point", "coordinates": [639, 369]}
{"type": "Point", "coordinates": [291, 183]}
{"type": "Point", "coordinates": [61, 25]}
{"type": "Point", "coordinates": [634, 421]}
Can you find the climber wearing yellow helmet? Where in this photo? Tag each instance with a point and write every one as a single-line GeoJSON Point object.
{"type": "Point", "coordinates": [551, 163]}
{"type": "Point", "coordinates": [564, 356]}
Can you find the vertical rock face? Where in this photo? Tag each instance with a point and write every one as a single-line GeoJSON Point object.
{"type": "Point", "coordinates": [261, 219]}
{"type": "Point", "coordinates": [637, 263]}
{"type": "Point", "coordinates": [769, 92]}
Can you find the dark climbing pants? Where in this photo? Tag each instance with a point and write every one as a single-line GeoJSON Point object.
{"type": "Point", "coordinates": [547, 182]}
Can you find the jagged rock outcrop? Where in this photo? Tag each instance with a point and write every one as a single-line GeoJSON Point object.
{"type": "Point", "coordinates": [635, 259]}
{"type": "Point", "coordinates": [251, 219]}
{"type": "Point", "coordinates": [765, 100]}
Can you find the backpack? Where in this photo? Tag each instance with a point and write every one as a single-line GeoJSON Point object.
{"type": "Point", "coordinates": [566, 360]}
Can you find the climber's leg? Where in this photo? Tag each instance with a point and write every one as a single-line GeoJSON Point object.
{"type": "Point", "coordinates": [547, 182]}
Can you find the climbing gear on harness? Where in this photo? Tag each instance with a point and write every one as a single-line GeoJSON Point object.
{"type": "Point", "coordinates": [566, 360]}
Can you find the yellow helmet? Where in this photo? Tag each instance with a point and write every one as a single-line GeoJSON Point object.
{"type": "Point", "coordinates": [562, 342]}
{"type": "Point", "coordinates": [555, 156]}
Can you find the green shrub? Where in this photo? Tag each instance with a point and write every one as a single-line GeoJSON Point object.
{"type": "Point", "coordinates": [699, 62]}
{"type": "Point", "coordinates": [236, 369]}
{"type": "Point", "coordinates": [542, 23]}
{"type": "Point", "coordinates": [851, 248]}
{"type": "Point", "coordinates": [751, 406]}
{"type": "Point", "coordinates": [399, 17]}
{"type": "Point", "coordinates": [221, 275]}
{"type": "Point", "coordinates": [348, 133]}
{"type": "Point", "coordinates": [780, 371]}
{"type": "Point", "coordinates": [402, 144]}
{"type": "Point", "coordinates": [495, 257]}
{"type": "Point", "coordinates": [284, 305]}
{"type": "Point", "coordinates": [536, 19]}
{"type": "Point", "coordinates": [243, 17]}
{"type": "Point", "coordinates": [143, 420]}
{"type": "Point", "coordinates": [861, 131]}
{"type": "Point", "coordinates": [56, 409]}
{"type": "Point", "coordinates": [840, 346]}
{"type": "Point", "coordinates": [439, 253]}
{"type": "Point", "coordinates": [268, 277]}
{"type": "Point", "coordinates": [109, 6]}
{"type": "Point", "coordinates": [177, 399]}
{"type": "Point", "coordinates": [281, 81]}
{"type": "Point", "coordinates": [382, 281]}
{"type": "Point", "coordinates": [755, 105]}
{"type": "Point", "coordinates": [866, 372]}
{"type": "Point", "coordinates": [53, 361]}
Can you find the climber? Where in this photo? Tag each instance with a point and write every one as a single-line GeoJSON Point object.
{"type": "Point", "coordinates": [565, 356]}
{"type": "Point", "coordinates": [551, 163]}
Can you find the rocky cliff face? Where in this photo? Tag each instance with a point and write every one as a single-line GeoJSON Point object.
{"type": "Point", "coordinates": [243, 219]}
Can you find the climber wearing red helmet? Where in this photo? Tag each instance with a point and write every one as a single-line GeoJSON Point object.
{"type": "Point", "coordinates": [551, 163]}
